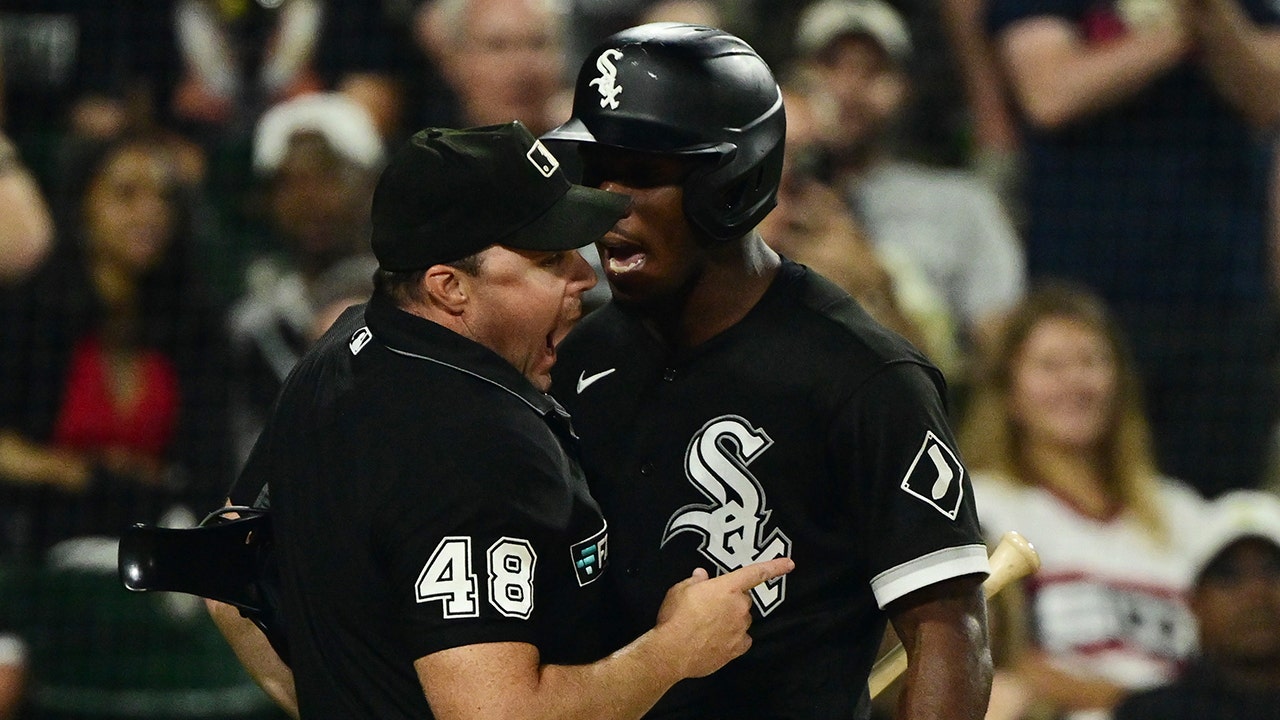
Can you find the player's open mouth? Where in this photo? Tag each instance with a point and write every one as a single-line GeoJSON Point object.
{"type": "Point", "coordinates": [622, 257]}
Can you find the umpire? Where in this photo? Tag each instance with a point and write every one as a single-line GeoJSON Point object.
{"type": "Point", "coordinates": [439, 553]}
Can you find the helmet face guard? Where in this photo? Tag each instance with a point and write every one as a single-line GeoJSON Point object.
{"type": "Point", "coordinates": [690, 91]}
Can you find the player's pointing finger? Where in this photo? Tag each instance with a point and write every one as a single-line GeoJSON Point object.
{"type": "Point", "coordinates": [749, 576]}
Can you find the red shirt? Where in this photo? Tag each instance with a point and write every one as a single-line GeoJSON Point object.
{"type": "Point", "coordinates": [92, 419]}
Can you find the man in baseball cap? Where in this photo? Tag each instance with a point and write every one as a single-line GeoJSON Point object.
{"type": "Point", "coordinates": [827, 21]}
{"type": "Point", "coordinates": [947, 227]}
{"type": "Point", "coordinates": [448, 194]}
{"type": "Point", "coordinates": [436, 543]}
{"type": "Point", "coordinates": [1236, 600]}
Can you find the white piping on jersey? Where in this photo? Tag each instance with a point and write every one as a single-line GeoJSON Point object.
{"type": "Point", "coordinates": [465, 371]}
{"type": "Point", "coordinates": [928, 569]}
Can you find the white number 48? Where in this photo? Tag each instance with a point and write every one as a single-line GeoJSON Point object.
{"type": "Point", "coordinates": [449, 578]}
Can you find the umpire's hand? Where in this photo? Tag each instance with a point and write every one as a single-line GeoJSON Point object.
{"type": "Point", "coordinates": [704, 621]}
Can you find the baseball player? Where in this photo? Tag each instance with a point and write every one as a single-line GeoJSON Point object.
{"type": "Point", "coordinates": [735, 406]}
{"type": "Point", "coordinates": [439, 553]}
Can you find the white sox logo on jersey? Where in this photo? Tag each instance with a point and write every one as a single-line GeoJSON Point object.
{"type": "Point", "coordinates": [734, 527]}
{"type": "Point", "coordinates": [935, 476]}
{"type": "Point", "coordinates": [607, 83]}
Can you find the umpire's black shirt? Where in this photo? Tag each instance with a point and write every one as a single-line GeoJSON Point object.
{"type": "Point", "coordinates": [423, 497]}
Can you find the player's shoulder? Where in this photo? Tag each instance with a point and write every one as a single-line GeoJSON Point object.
{"type": "Point", "coordinates": [805, 326]}
{"type": "Point", "coordinates": [818, 318]}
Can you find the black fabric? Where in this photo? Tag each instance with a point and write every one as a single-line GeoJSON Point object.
{"type": "Point", "coordinates": [395, 446]}
{"type": "Point", "coordinates": [447, 194]}
{"type": "Point", "coordinates": [790, 433]}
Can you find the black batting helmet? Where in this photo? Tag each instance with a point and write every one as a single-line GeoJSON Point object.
{"type": "Point", "coordinates": [688, 90]}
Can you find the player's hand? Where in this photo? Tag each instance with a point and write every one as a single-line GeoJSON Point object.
{"type": "Point", "coordinates": [706, 620]}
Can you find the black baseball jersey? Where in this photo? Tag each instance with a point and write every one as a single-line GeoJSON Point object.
{"type": "Point", "coordinates": [424, 496]}
{"type": "Point", "coordinates": [804, 430]}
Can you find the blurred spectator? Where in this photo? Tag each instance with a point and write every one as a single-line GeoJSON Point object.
{"type": "Point", "coordinates": [239, 58]}
{"type": "Point", "coordinates": [113, 403]}
{"type": "Point", "coordinates": [693, 12]}
{"type": "Point", "coordinates": [949, 223]}
{"type": "Point", "coordinates": [317, 157]}
{"type": "Point", "coordinates": [504, 60]}
{"type": "Point", "coordinates": [27, 230]}
{"type": "Point", "coordinates": [364, 46]}
{"type": "Point", "coordinates": [80, 66]}
{"type": "Point", "coordinates": [1147, 180]}
{"type": "Point", "coordinates": [812, 225]}
{"type": "Point", "coordinates": [113, 372]}
{"type": "Point", "coordinates": [349, 282]}
{"type": "Point", "coordinates": [994, 145]}
{"type": "Point", "coordinates": [591, 20]}
{"type": "Point", "coordinates": [1273, 257]}
{"type": "Point", "coordinates": [1236, 601]}
{"type": "Point", "coordinates": [13, 674]}
{"type": "Point", "coordinates": [1058, 444]}
{"type": "Point", "coordinates": [933, 124]}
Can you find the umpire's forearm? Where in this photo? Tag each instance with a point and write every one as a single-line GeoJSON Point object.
{"type": "Point", "coordinates": [256, 654]}
{"type": "Point", "coordinates": [948, 656]}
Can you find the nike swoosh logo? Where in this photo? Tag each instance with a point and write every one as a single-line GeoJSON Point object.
{"type": "Point", "coordinates": [584, 380]}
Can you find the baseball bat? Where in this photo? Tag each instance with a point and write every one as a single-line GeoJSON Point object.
{"type": "Point", "coordinates": [1013, 558]}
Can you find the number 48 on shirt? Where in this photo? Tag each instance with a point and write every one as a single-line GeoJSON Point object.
{"type": "Point", "coordinates": [449, 577]}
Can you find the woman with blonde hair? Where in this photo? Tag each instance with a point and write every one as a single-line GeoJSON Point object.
{"type": "Point", "coordinates": [1059, 447]}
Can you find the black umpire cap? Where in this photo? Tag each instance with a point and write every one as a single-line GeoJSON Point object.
{"type": "Point", "coordinates": [447, 194]}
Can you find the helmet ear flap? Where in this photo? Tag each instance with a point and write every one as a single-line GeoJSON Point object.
{"type": "Point", "coordinates": [727, 207]}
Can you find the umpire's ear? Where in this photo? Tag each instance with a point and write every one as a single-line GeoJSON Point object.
{"type": "Point", "coordinates": [447, 288]}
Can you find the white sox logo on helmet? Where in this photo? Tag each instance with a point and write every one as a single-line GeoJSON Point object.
{"type": "Point", "coordinates": [735, 525]}
{"type": "Point", "coordinates": [607, 83]}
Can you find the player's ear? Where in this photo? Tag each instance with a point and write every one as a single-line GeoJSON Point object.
{"type": "Point", "coordinates": [447, 287]}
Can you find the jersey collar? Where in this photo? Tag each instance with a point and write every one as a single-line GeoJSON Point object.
{"type": "Point", "coordinates": [410, 336]}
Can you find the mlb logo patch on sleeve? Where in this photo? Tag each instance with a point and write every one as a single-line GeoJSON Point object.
{"type": "Point", "coordinates": [935, 475]}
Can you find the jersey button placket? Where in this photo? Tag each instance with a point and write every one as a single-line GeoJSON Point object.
{"type": "Point", "coordinates": [669, 374]}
